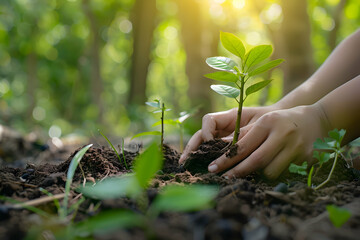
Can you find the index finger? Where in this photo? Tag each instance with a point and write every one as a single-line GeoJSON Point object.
{"type": "Point", "coordinates": [192, 145]}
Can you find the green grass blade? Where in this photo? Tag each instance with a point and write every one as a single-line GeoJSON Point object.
{"type": "Point", "coordinates": [116, 152]}
{"type": "Point", "coordinates": [70, 174]}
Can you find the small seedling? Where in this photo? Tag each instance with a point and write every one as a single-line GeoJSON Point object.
{"type": "Point", "coordinates": [117, 154]}
{"type": "Point", "coordinates": [332, 144]}
{"type": "Point", "coordinates": [159, 108]}
{"type": "Point", "coordinates": [239, 74]}
{"type": "Point", "coordinates": [179, 122]}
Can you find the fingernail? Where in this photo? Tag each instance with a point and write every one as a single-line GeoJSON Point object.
{"type": "Point", "coordinates": [226, 177]}
{"type": "Point", "coordinates": [213, 167]}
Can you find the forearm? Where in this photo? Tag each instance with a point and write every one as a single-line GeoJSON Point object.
{"type": "Point", "coordinates": [341, 66]}
{"type": "Point", "coordinates": [341, 107]}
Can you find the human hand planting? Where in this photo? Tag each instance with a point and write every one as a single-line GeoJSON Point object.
{"type": "Point", "coordinates": [221, 125]}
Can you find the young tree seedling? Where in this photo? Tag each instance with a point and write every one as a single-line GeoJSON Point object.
{"type": "Point", "coordinates": [159, 108]}
{"type": "Point", "coordinates": [239, 74]}
{"type": "Point", "coordinates": [179, 122]}
{"type": "Point", "coordinates": [332, 144]}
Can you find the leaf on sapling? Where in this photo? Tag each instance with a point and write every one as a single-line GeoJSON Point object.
{"type": "Point", "coordinates": [293, 168]}
{"type": "Point", "coordinates": [265, 67]}
{"type": "Point", "coordinates": [257, 86]}
{"type": "Point", "coordinates": [184, 198]}
{"type": "Point", "coordinates": [337, 135]}
{"type": "Point", "coordinates": [155, 104]}
{"type": "Point", "coordinates": [153, 133]}
{"type": "Point", "coordinates": [221, 63]}
{"type": "Point", "coordinates": [223, 76]}
{"type": "Point", "coordinates": [338, 216]}
{"type": "Point", "coordinates": [322, 157]}
{"type": "Point", "coordinates": [257, 55]}
{"type": "Point", "coordinates": [226, 90]}
{"type": "Point", "coordinates": [147, 164]}
{"type": "Point", "coordinates": [233, 44]}
{"type": "Point", "coordinates": [323, 145]}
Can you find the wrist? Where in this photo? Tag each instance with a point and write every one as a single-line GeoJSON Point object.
{"type": "Point", "coordinates": [320, 112]}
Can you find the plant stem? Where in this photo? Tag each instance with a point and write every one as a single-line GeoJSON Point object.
{"type": "Point", "coordinates": [310, 176]}
{"type": "Point", "coordinates": [162, 126]}
{"type": "Point", "coordinates": [331, 171]}
{"type": "Point", "coordinates": [181, 138]}
{"type": "Point", "coordinates": [238, 119]}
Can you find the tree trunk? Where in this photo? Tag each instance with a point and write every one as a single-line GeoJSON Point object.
{"type": "Point", "coordinates": [96, 80]}
{"type": "Point", "coordinates": [143, 20]}
{"type": "Point", "coordinates": [200, 41]}
{"type": "Point", "coordinates": [295, 32]}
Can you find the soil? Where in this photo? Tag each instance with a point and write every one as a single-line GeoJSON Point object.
{"type": "Point", "coordinates": [248, 208]}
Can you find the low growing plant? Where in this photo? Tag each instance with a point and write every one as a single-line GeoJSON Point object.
{"type": "Point", "coordinates": [159, 108]}
{"type": "Point", "coordinates": [238, 75]}
{"type": "Point", "coordinates": [117, 154]}
{"type": "Point", "coordinates": [338, 215]}
{"type": "Point", "coordinates": [332, 146]}
{"type": "Point", "coordinates": [170, 198]}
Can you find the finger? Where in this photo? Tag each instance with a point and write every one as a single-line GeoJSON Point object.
{"type": "Point", "coordinates": [245, 147]}
{"type": "Point", "coordinates": [192, 145]}
{"type": "Point", "coordinates": [243, 132]}
{"type": "Point", "coordinates": [259, 159]}
{"type": "Point", "coordinates": [222, 121]}
{"type": "Point", "coordinates": [280, 163]}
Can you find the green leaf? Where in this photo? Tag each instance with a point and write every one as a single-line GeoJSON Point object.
{"type": "Point", "coordinates": [323, 145]}
{"type": "Point", "coordinates": [70, 174]}
{"type": "Point", "coordinates": [293, 168]}
{"type": "Point", "coordinates": [233, 44]}
{"type": "Point", "coordinates": [221, 63]}
{"type": "Point", "coordinates": [223, 76]}
{"type": "Point", "coordinates": [108, 221]}
{"type": "Point", "coordinates": [322, 157]}
{"type": "Point", "coordinates": [155, 104]}
{"type": "Point", "coordinates": [154, 133]}
{"type": "Point", "coordinates": [147, 164]}
{"type": "Point", "coordinates": [111, 188]}
{"type": "Point", "coordinates": [166, 121]}
{"type": "Point", "coordinates": [184, 198]}
{"type": "Point", "coordinates": [183, 117]}
{"type": "Point", "coordinates": [266, 67]}
{"type": "Point", "coordinates": [256, 87]}
{"type": "Point", "coordinates": [338, 216]}
{"type": "Point", "coordinates": [226, 91]}
{"type": "Point", "coordinates": [257, 54]}
{"type": "Point", "coordinates": [337, 135]}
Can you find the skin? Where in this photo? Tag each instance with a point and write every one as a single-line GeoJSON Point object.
{"type": "Point", "coordinates": [272, 137]}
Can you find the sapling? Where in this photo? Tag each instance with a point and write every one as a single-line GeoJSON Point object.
{"type": "Point", "coordinates": [250, 65]}
{"type": "Point", "coordinates": [159, 108]}
{"type": "Point", "coordinates": [332, 144]}
{"type": "Point", "coordinates": [179, 122]}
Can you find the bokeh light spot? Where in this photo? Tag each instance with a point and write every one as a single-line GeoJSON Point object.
{"type": "Point", "coordinates": [55, 131]}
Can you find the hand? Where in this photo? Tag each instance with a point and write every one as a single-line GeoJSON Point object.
{"type": "Point", "coordinates": [222, 124]}
{"type": "Point", "coordinates": [275, 140]}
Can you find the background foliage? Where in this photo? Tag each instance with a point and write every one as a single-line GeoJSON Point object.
{"type": "Point", "coordinates": [73, 66]}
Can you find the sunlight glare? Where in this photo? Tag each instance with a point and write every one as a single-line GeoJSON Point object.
{"type": "Point", "coordinates": [253, 38]}
{"type": "Point", "coordinates": [238, 4]}
{"type": "Point", "coordinates": [39, 113]}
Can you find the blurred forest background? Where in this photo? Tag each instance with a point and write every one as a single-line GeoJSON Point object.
{"type": "Point", "coordinates": [75, 66]}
